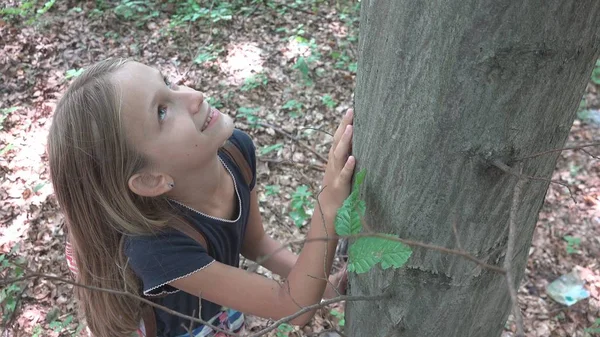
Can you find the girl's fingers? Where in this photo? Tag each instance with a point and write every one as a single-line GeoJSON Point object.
{"type": "Point", "coordinates": [346, 174]}
{"type": "Point", "coordinates": [343, 147]}
{"type": "Point", "coordinates": [347, 120]}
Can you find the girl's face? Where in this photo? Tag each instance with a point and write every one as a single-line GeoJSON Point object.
{"type": "Point", "coordinates": [173, 126]}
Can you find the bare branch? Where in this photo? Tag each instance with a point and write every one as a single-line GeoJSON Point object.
{"type": "Point", "coordinates": [291, 162]}
{"type": "Point", "coordinates": [461, 253]}
{"type": "Point", "coordinates": [317, 306]}
{"type": "Point", "coordinates": [303, 144]}
{"type": "Point", "coordinates": [117, 292]}
{"type": "Point", "coordinates": [512, 228]}
{"type": "Point", "coordinates": [577, 147]}
{"type": "Point", "coordinates": [510, 171]}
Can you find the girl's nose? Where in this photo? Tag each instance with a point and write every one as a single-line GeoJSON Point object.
{"type": "Point", "coordinates": [193, 100]}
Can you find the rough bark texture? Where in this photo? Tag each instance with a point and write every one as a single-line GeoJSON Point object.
{"type": "Point", "coordinates": [443, 88]}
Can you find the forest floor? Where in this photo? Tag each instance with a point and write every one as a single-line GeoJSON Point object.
{"type": "Point", "coordinates": [291, 65]}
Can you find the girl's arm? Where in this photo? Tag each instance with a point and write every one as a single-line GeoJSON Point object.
{"type": "Point", "coordinates": [258, 244]}
{"type": "Point", "coordinates": [257, 295]}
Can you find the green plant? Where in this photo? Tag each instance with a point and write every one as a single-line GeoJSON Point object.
{"type": "Point", "coordinates": [271, 190]}
{"type": "Point", "coordinates": [328, 101]}
{"type": "Point", "coordinates": [283, 330]}
{"type": "Point", "coordinates": [139, 10]}
{"type": "Point", "coordinates": [339, 316]}
{"type": "Point", "coordinates": [254, 82]}
{"type": "Point", "coordinates": [191, 11]}
{"type": "Point", "coordinates": [28, 10]}
{"type": "Point", "coordinates": [215, 102]}
{"type": "Point", "coordinates": [249, 115]}
{"type": "Point", "coordinates": [294, 107]}
{"type": "Point", "coordinates": [299, 205]}
{"type": "Point", "coordinates": [366, 252]}
{"type": "Point", "coordinates": [9, 295]}
{"type": "Point", "coordinates": [270, 148]}
{"type": "Point", "coordinates": [208, 53]}
{"type": "Point", "coordinates": [303, 62]}
{"type": "Point", "coordinates": [572, 244]}
{"type": "Point", "coordinates": [595, 328]}
{"type": "Point", "coordinates": [73, 73]}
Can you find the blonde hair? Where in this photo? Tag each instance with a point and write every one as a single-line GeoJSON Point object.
{"type": "Point", "coordinates": [91, 162]}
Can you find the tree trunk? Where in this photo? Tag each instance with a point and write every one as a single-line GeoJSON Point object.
{"type": "Point", "coordinates": [444, 88]}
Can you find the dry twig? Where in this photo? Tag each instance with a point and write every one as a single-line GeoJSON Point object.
{"type": "Point", "coordinates": [577, 147]}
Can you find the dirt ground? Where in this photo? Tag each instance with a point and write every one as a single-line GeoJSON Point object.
{"type": "Point", "coordinates": [290, 63]}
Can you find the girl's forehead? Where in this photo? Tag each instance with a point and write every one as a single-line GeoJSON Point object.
{"type": "Point", "coordinates": [135, 71]}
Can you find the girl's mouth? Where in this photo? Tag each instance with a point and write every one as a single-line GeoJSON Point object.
{"type": "Point", "coordinates": [212, 117]}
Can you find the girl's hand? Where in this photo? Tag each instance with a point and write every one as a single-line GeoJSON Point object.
{"type": "Point", "coordinates": [340, 166]}
{"type": "Point", "coordinates": [338, 280]}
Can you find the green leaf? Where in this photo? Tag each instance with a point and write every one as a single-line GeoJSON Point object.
{"type": "Point", "coordinates": [359, 178]}
{"type": "Point", "coordinates": [73, 73]}
{"type": "Point", "coordinates": [270, 148]}
{"type": "Point", "coordinates": [368, 251]}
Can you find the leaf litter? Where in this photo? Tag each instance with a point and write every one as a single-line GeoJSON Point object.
{"type": "Point", "coordinates": [38, 61]}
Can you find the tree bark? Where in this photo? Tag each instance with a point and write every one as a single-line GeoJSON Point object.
{"type": "Point", "coordinates": [443, 89]}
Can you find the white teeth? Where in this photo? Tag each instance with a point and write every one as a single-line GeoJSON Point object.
{"type": "Point", "coordinates": [207, 121]}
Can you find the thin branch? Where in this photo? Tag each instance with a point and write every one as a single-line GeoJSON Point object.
{"type": "Point", "coordinates": [316, 129]}
{"type": "Point", "coordinates": [510, 171]}
{"type": "Point", "coordinates": [512, 228]}
{"type": "Point", "coordinates": [576, 147]}
{"type": "Point", "coordinates": [296, 139]}
{"type": "Point", "coordinates": [291, 162]}
{"type": "Point", "coordinates": [589, 154]}
{"type": "Point", "coordinates": [461, 253]}
{"type": "Point", "coordinates": [118, 292]}
{"type": "Point", "coordinates": [317, 306]}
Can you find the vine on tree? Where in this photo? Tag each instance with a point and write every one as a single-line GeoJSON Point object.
{"type": "Point", "coordinates": [366, 252]}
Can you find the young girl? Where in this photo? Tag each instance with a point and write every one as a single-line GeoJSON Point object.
{"type": "Point", "coordinates": [131, 156]}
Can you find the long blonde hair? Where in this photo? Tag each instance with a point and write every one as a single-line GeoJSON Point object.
{"type": "Point", "coordinates": [91, 162]}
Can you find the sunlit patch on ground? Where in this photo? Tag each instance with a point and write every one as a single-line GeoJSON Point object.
{"type": "Point", "coordinates": [243, 60]}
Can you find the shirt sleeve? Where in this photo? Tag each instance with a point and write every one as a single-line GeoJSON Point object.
{"type": "Point", "coordinates": [160, 259]}
{"type": "Point", "coordinates": [246, 146]}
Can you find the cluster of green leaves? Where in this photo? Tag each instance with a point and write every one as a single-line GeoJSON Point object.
{"type": "Point", "coordinates": [294, 107]}
{"type": "Point", "coordinates": [284, 330]}
{"type": "Point", "coordinates": [9, 295]}
{"type": "Point", "coordinates": [191, 11]}
{"type": "Point", "coordinates": [596, 73]}
{"type": "Point", "coordinates": [339, 316]}
{"type": "Point", "coordinates": [328, 101]}
{"type": "Point", "coordinates": [255, 81]}
{"type": "Point", "coordinates": [300, 205]}
{"type": "Point", "coordinates": [572, 244]}
{"type": "Point", "coordinates": [138, 10]}
{"type": "Point", "coordinates": [271, 190]}
{"type": "Point", "coordinates": [344, 61]}
{"type": "Point", "coordinates": [208, 53]}
{"type": "Point", "coordinates": [249, 114]}
{"type": "Point", "coordinates": [304, 62]}
{"type": "Point", "coordinates": [366, 252]}
{"type": "Point", "coordinates": [594, 329]}
{"type": "Point", "coordinates": [270, 148]}
{"type": "Point", "coordinates": [29, 10]}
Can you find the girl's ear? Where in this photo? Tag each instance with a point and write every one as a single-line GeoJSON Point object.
{"type": "Point", "coordinates": [148, 184]}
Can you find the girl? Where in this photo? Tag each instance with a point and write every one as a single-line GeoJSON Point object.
{"type": "Point", "coordinates": [132, 157]}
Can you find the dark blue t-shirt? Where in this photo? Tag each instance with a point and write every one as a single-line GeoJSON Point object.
{"type": "Point", "coordinates": [160, 259]}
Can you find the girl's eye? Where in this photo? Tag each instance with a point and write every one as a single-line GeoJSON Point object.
{"type": "Point", "coordinates": [162, 113]}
